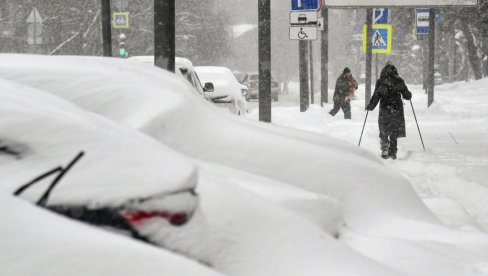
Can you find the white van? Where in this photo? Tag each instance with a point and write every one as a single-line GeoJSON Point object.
{"type": "Point", "coordinates": [185, 69]}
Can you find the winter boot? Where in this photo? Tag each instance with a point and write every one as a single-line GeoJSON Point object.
{"type": "Point", "coordinates": [392, 153]}
{"type": "Point", "coordinates": [384, 149]}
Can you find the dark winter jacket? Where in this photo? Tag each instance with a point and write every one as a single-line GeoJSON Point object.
{"type": "Point", "coordinates": [341, 88]}
{"type": "Point", "coordinates": [390, 89]}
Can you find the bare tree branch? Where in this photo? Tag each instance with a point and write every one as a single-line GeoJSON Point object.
{"type": "Point", "coordinates": [64, 43]}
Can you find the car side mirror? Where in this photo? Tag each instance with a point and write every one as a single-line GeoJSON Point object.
{"type": "Point", "coordinates": [209, 87]}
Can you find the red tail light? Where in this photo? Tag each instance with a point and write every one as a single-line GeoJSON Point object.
{"type": "Point", "coordinates": [136, 218]}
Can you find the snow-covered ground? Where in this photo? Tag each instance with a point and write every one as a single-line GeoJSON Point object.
{"type": "Point", "coordinates": [280, 201]}
{"type": "Point", "coordinates": [451, 175]}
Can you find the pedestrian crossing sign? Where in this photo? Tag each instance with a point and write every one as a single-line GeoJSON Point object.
{"type": "Point", "coordinates": [381, 38]}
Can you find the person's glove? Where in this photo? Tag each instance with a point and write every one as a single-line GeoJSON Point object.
{"type": "Point", "coordinates": [408, 96]}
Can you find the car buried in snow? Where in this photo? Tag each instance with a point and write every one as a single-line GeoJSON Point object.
{"type": "Point", "coordinates": [93, 170]}
{"type": "Point", "coordinates": [228, 90]}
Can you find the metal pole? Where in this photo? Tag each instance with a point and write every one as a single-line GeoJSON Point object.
{"type": "Point", "coordinates": [430, 85]}
{"type": "Point", "coordinates": [415, 116]}
{"type": "Point", "coordinates": [360, 138]}
{"type": "Point", "coordinates": [302, 49]}
{"type": "Point", "coordinates": [324, 91]}
{"type": "Point", "coordinates": [34, 30]}
{"type": "Point", "coordinates": [376, 66]}
{"type": "Point", "coordinates": [425, 64]}
{"type": "Point", "coordinates": [164, 34]}
{"type": "Point", "coordinates": [312, 88]}
{"type": "Point", "coordinates": [264, 18]}
{"type": "Point", "coordinates": [106, 28]}
{"type": "Point", "coordinates": [369, 54]}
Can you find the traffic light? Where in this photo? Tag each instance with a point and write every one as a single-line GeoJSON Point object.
{"type": "Point", "coordinates": [122, 50]}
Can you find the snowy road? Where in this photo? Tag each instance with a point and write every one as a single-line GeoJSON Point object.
{"type": "Point", "coordinates": [451, 176]}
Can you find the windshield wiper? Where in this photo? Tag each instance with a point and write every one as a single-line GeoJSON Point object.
{"type": "Point", "coordinates": [62, 171]}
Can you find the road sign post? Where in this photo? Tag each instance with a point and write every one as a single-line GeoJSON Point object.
{"type": "Point", "coordinates": [324, 90]}
{"type": "Point", "coordinates": [369, 54]}
{"type": "Point", "coordinates": [431, 84]}
{"type": "Point", "coordinates": [303, 71]}
{"type": "Point", "coordinates": [303, 26]}
{"type": "Point", "coordinates": [310, 62]}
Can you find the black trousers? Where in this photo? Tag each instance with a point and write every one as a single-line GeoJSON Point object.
{"type": "Point", "coordinates": [346, 108]}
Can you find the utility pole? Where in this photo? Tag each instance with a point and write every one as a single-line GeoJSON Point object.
{"type": "Point", "coordinates": [431, 80]}
{"type": "Point", "coordinates": [369, 53]}
{"type": "Point", "coordinates": [106, 28]}
{"type": "Point", "coordinates": [312, 89]}
{"type": "Point", "coordinates": [324, 62]}
{"type": "Point", "coordinates": [264, 18]}
{"type": "Point", "coordinates": [164, 34]}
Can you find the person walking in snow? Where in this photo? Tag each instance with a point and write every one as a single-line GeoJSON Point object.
{"type": "Point", "coordinates": [342, 89]}
{"type": "Point", "coordinates": [389, 90]}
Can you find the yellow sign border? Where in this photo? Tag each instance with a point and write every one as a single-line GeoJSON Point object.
{"type": "Point", "coordinates": [389, 28]}
{"type": "Point", "coordinates": [126, 26]}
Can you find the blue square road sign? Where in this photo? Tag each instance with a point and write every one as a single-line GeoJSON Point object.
{"type": "Point", "coordinates": [297, 5]}
{"type": "Point", "coordinates": [380, 16]}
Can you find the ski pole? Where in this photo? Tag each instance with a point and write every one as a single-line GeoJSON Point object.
{"type": "Point", "coordinates": [363, 128]}
{"type": "Point", "coordinates": [415, 116]}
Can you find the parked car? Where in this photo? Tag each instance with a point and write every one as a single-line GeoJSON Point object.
{"type": "Point", "coordinates": [37, 242]}
{"type": "Point", "coordinates": [227, 90]}
{"type": "Point", "coordinates": [120, 179]}
{"type": "Point", "coordinates": [251, 80]}
{"type": "Point", "coordinates": [185, 69]}
{"type": "Point", "coordinates": [239, 75]}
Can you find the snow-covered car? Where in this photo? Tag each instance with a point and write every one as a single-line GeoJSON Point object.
{"type": "Point", "coordinates": [251, 80]}
{"type": "Point", "coordinates": [381, 216]}
{"type": "Point", "coordinates": [38, 242]}
{"type": "Point", "coordinates": [120, 179]}
{"type": "Point", "coordinates": [227, 91]}
{"type": "Point", "coordinates": [185, 69]}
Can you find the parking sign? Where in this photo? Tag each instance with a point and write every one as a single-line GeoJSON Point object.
{"type": "Point", "coordinates": [304, 5]}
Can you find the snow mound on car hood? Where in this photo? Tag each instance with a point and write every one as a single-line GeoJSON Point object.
{"type": "Point", "coordinates": [119, 163]}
